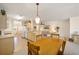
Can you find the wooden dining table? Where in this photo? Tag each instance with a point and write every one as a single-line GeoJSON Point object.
{"type": "Point", "coordinates": [48, 46]}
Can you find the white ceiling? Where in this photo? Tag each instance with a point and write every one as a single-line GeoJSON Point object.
{"type": "Point", "coordinates": [47, 11]}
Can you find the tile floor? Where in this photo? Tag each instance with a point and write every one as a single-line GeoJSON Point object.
{"type": "Point", "coordinates": [20, 46]}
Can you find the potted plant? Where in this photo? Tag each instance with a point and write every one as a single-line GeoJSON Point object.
{"type": "Point", "coordinates": [3, 12]}
{"type": "Point", "coordinates": [57, 28]}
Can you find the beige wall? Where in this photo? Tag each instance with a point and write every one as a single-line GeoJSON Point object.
{"type": "Point", "coordinates": [3, 21]}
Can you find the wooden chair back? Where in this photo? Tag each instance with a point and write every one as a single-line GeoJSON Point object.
{"type": "Point", "coordinates": [55, 35]}
{"type": "Point", "coordinates": [32, 49]}
{"type": "Point", "coordinates": [60, 52]}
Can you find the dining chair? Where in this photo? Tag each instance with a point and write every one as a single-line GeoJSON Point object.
{"type": "Point", "coordinates": [60, 52]}
{"type": "Point", "coordinates": [32, 49]}
{"type": "Point", "coordinates": [55, 35]}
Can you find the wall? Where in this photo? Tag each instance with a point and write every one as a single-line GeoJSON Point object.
{"type": "Point", "coordinates": [74, 25]}
{"type": "Point", "coordinates": [64, 27]}
{"type": "Point", "coordinates": [3, 21]}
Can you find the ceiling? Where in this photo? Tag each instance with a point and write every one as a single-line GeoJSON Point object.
{"type": "Point", "coordinates": [47, 11]}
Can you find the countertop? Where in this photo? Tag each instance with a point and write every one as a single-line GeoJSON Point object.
{"type": "Point", "coordinates": [6, 36]}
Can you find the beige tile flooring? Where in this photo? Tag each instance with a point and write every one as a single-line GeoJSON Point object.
{"type": "Point", "coordinates": [20, 46]}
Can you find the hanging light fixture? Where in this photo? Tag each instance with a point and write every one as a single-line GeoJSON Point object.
{"type": "Point", "coordinates": [37, 19]}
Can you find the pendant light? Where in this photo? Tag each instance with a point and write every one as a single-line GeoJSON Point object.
{"type": "Point", "coordinates": [37, 19]}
